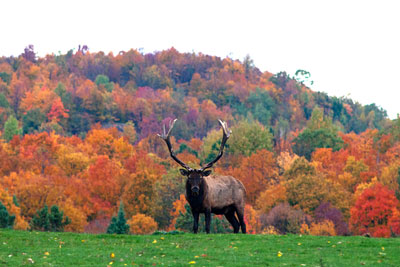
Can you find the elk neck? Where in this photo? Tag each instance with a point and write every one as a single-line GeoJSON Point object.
{"type": "Point", "coordinates": [195, 201]}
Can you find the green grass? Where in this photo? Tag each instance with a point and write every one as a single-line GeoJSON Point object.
{"type": "Point", "coordinates": [19, 248]}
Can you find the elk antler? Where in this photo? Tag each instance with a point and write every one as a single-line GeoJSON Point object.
{"type": "Point", "coordinates": [166, 136]}
{"type": "Point", "coordinates": [226, 134]}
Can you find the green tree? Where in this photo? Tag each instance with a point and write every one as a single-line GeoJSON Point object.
{"type": "Point", "coordinates": [309, 140]}
{"type": "Point", "coordinates": [53, 221]}
{"type": "Point", "coordinates": [104, 81]}
{"type": "Point", "coordinates": [3, 101]}
{"type": "Point", "coordinates": [41, 220]}
{"type": "Point", "coordinates": [262, 106]}
{"type": "Point", "coordinates": [5, 77]}
{"type": "Point", "coordinates": [6, 220]}
{"type": "Point", "coordinates": [320, 133]}
{"type": "Point", "coordinates": [248, 137]}
{"type": "Point", "coordinates": [303, 77]}
{"type": "Point", "coordinates": [56, 219]}
{"type": "Point", "coordinates": [32, 120]}
{"type": "Point", "coordinates": [118, 224]}
{"type": "Point", "coordinates": [11, 128]}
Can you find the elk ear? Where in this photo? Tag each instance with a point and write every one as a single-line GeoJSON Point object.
{"type": "Point", "coordinates": [184, 172]}
{"type": "Point", "coordinates": [206, 173]}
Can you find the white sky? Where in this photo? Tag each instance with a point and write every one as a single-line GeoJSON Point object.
{"type": "Point", "coordinates": [351, 48]}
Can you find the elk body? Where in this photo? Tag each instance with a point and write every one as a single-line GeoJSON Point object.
{"type": "Point", "coordinates": [212, 193]}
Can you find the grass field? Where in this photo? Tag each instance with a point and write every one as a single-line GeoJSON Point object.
{"type": "Point", "coordinates": [19, 248]}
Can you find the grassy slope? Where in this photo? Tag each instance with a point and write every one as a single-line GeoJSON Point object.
{"type": "Point", "coordinates": [69, 249]}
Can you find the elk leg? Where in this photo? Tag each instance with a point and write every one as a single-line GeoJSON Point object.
{"type": "Point", "coordinates": [230, 216]}
{"type": "Point", "coordinates": [208, 221]}
{"type": "Point", "coordinates": [195, 222]}
{"type": "Point", "coordinates": [241, 220]}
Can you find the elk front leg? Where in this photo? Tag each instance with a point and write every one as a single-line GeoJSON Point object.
{"type": "Point", "coordinates": [195, 221]}
{"type": "Point", "coordinates": [208, 220]}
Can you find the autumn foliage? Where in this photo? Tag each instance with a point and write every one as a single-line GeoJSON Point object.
{"type": "Point", "coordinates": [78, 130]}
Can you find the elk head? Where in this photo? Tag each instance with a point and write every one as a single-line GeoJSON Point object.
{"type": "Point", "coordinates": [195, 176]}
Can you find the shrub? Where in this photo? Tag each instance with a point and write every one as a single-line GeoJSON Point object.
{"type": "Point", "coordinates": [140, 224]}
{"type": "Point", "coordinates": [304, 229]}
{"type": "Point", "coordinates": [325, 211]}
{"type": "Point", "coordinates": [285, 219]}
{"type": "Point", "coordinates": [270, 230]}
{"type": "Point", "coordinates": [326, 228]}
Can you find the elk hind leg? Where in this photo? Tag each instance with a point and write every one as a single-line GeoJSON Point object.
{"type": "Point", "coordinates": [230, 216]}
{"type": "Point", "coordinates": [240, 215]}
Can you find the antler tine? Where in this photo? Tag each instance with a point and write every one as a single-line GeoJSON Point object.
{"type": "Point", "coordinates": [165, 136]}
{"type": "Point", "coordinates": [226, 134]}
{"type": "Point", "coordinates": [225, 128]}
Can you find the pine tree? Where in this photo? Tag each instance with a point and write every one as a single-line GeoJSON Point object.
{"type": "Point", "coordinates": [56, 219]}
{"type": "Point", "coordinates": [118, 224]}
{"type": "Point", "coordinates": [41, 221]}
{"type": "Point", "coordinates": [6, 221]}
{"type": "Point", "coordinates": [53, 221]}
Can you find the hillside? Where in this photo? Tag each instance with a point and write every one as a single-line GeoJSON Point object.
{"type": "Point", "coordinates": [79, 131]}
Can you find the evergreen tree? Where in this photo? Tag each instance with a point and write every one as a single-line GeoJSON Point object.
{"type": "Point", "coordinates": [41, 221]}
{"type": "Point", "coordinates": [15, 201]}
{"type": "Point", "coordinates": [118, 224]}
{"type": "Point", "coordinates": [57, 223]}
{"type": "Point", "coordinates": [6, 221]}
{"type": "Point", "coordinates": [53, 221]}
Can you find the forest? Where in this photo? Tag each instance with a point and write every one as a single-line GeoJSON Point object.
{"type": "Point", "coordinates": [79, 130]}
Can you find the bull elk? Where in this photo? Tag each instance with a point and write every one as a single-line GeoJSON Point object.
{"type": "Point", "coordinates": [211, 194]}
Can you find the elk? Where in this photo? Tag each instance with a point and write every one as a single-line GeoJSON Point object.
{"type": "Point", "coordinates": [207, 194]}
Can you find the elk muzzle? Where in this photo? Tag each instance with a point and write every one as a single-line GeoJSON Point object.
{"type": "Point", "coordinates": [195, 190]}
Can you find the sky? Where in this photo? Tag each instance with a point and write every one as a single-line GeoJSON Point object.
{"type": "Point", "coordinates": [351, 48]}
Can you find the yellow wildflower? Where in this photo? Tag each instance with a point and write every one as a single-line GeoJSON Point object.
{"type": "Point", "coordinates": [155, 241]}
{"type": "Point", "coordinates": [192, 262]}
{"type": "Point", "coordinates": [279, 254]}
{"type": "Point", "coordinates": [112, 255]}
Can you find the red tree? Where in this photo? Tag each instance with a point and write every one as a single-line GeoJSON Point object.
{"type": "Point", "coordinates": [375, 212]}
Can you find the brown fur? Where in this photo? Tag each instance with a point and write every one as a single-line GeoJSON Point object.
{"type": "Point", "coordinates": [224, 191]}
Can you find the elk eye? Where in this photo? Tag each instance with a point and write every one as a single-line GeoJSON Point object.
{"type": "Point", "coordinates": [184, 172]}
{"type": "Point", "coordinates": [206, 173]}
